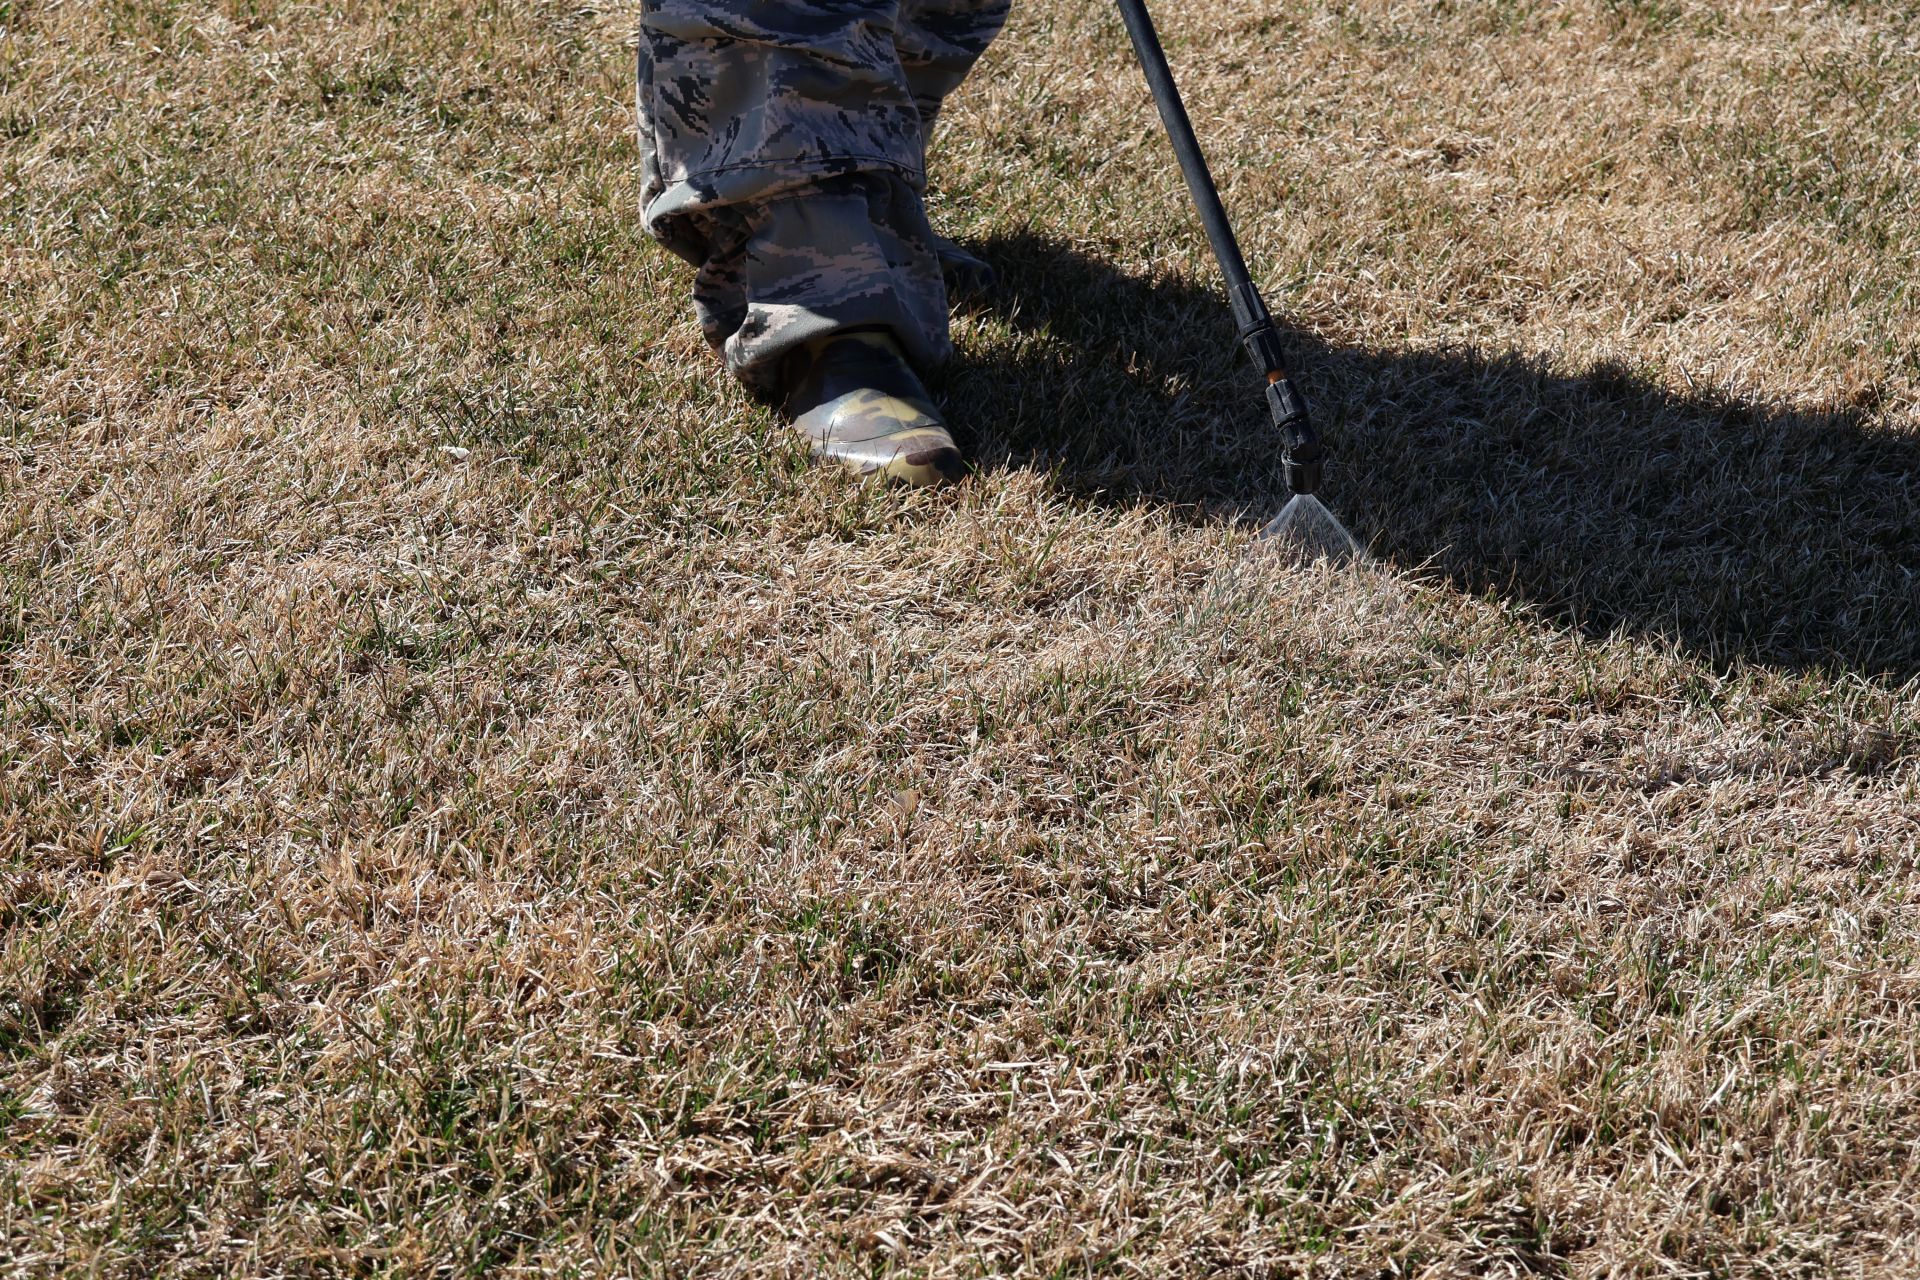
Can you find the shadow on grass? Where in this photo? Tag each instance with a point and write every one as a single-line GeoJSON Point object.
{"type": "Point", "coordinates": [1737, 529]}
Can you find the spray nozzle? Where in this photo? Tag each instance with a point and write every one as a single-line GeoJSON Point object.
{"type": "Point", "coordinates": [1303, 466]}
{"type": "Point", "coordinates": [1301, 452]}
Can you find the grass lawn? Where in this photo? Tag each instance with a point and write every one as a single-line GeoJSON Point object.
{"type": "Point", "coordinates": [474, 801]}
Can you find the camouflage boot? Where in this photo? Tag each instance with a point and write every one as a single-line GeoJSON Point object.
{"type": "Point", "coordinates": [858, 401]}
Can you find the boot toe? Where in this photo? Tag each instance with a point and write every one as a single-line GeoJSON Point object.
{"type": "Point", "coordinates": [918, 451]}
{"type": "Point", "coordinates": [859, 404]}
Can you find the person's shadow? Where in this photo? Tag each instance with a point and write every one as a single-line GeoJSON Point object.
{"type": "Point", "coordinates": [1735, 529]}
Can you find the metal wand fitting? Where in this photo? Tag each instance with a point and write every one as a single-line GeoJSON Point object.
{"type": "Point", "coordinates": [1301, 454]}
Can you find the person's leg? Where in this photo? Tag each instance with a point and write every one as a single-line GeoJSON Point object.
{"type": "Point", "coordinates": [784, 156]}
{"type": "Point", "coordinates": [847, 252]}
{"type": "Point", "coordinates": [939, 41]}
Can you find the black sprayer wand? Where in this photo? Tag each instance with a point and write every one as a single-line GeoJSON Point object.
{"type": "Point", "coordinates": [1301, 451]}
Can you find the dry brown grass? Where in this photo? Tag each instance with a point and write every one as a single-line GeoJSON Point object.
{"type": "Point", "coordinates": [453, 819]}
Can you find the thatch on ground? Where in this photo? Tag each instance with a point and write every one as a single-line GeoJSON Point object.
{"type": "Point", "coordinates": [474, 801]}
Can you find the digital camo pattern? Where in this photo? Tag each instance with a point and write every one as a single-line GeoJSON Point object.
{"type": "Point", "coordinates": [848, 250]}
{"type": "Point", "coordinates": [939, 41]}
{"type": "Point", "coordinates": [784, 149]}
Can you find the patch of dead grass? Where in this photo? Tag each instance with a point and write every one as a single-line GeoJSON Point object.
{"type": "Point", "coordinates": [467, 806]}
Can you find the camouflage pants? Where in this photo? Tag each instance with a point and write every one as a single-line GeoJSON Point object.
{"type": "Point", "coordinates": [783, 147]}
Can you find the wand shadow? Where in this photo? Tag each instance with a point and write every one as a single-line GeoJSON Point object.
{"type": "Point", "coordinates": [1738, 530]}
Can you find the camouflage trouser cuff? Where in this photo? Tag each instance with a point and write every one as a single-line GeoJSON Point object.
{"type": "Point", "coordinates": [838, 252]}
{"type": "Point", "coordinates": [783, 146]}
{"type": "Point", "coordinates": [664, 203]}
